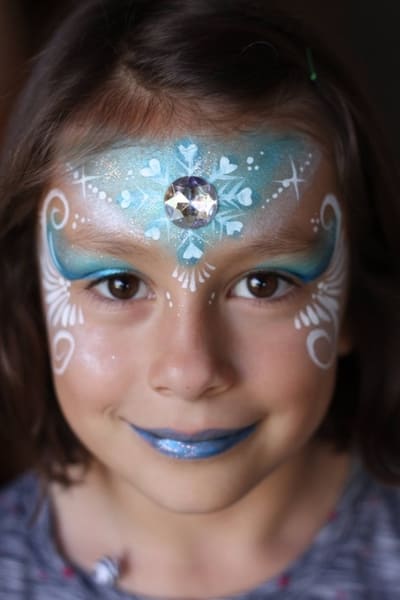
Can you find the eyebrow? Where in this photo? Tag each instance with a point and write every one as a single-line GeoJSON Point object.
{"type": "Point", "coordinates": [288, 240]}
{"type": "Point", "coordinates": [277, 247]}
{"type": "Point", "coordinates": [108, 243]}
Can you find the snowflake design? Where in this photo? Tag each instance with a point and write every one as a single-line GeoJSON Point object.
{"type": "Point", "coordinates": [61, 313]}
{"type": "Point", "coordinates": [136, 178]}
{"type": "Point", "coordinates": [233, 199]}
{"type": "Point", "coordinates": [322, 314]}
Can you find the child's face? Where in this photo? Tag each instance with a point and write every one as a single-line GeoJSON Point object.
{"type": "Point", "coordinates": [162, 326]}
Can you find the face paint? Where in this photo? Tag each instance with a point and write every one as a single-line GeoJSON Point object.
{"type": "Point", "coordinates": [322, 314]}
{"type": "Point", "coordinates": [74, 264]}
{"type": "Point", "coordinates": [135, 179]}
{"type": "Point", "coordinates": [212, 298]}
{"type": "Point", "coordinates": [193, 447]}
{"type": "Point", "coordinates": [169, 299]}
{"type": "Point", "coordinates": [306, 266]}
{"type": "Point", "coordinates": [61, 314]}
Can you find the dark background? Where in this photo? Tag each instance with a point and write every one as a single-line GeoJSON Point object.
{"type": "Point", "coordinates": [363, 32]}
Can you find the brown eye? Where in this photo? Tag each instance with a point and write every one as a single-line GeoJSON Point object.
{"type": "Point", "coordinates": [262, 285]}
{"type": "Point", "coordinates": [122, 287]}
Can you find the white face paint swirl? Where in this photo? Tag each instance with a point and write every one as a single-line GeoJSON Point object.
{"type": "Point", "coordinates": [62, 315]}
{"type": "Point", "coordinates": [321, 315]}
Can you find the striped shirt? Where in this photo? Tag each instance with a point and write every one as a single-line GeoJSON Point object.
{"type": "Point", "coordinates": [355, 555]}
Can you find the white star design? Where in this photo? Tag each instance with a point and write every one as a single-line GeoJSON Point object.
{"type": "Point", "coordinates": [293, 180]}
{"type": "Point", "coordinates": [84, 179]}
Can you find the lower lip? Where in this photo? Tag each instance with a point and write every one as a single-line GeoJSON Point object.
{"type": "Point", "coordinates": [187, 450]}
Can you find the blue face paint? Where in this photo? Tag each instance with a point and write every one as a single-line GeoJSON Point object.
{"type": "Point", "coordinates": [249, 172]}
{"type": "Point", "coordinates": [307, 266]}
{"type": "Point", "coordinates": [75, 264]}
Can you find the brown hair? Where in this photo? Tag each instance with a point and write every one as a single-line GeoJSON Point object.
{"type": "Point", "coordinates": [127, 67]}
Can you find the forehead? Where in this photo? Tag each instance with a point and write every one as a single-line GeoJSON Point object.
{"type": "Point", "coordinates": [263, 182]}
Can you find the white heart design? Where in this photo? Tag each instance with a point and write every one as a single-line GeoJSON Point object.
{"type": "Point", "coordinates": [153, 169]}
{"type": "Point", "coordinates": [153, 233]}
{"type": "Point", "coordinates": [126, 199]}
{"type": "Point", "coordinates": [192, 251]}
{"type": "Point", "coordinates": [233, 227]}
{"type": "Point", "coordinates": [244, 197]}
{"type": "Point", "coordinates": [226, 166]}
{"type": "Point", "coordinates": [188, 152]}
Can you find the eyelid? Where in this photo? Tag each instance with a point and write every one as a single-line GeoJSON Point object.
{"type": "Point", "coordinates": [101, 274]}
{"type": "Point", "coordinates": [286, 273]}
{"type": "Point", "coordinates": [80, 265]}
{"type": "Point", "coordinates": [105, 297]}
{"type": "Point", "coordinates": [141, 293]}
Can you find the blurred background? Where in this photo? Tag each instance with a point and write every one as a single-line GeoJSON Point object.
{"type": "Point", "coordinates": [363, 32]}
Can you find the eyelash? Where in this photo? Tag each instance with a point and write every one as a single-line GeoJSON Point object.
{"type": "Point", "coordinates": [141, 289]}
{"type": "Point", "coordinates": [126, 278]}
{"type": "Point", "coordinates": [293, 287]}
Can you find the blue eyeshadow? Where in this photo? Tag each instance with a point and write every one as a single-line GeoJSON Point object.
{"type": "Point", "coordinates": [75, 264]}
{"type": "Point", "coordinates": [308, 266]}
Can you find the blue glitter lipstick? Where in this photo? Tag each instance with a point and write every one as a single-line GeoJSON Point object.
{"type": "Point", "coordinates": [204, 444]}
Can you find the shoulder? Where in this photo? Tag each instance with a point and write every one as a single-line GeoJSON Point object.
{"type": "Point", "coordinates": [25, 540]}
{"type": "Point", "coordinates": [367, 553]}
{"type": "Point", "coordinates": [17, 503]}
{"type": "Point", "coordinates": [30, 563]}
{"type": "Point", "coordinates": [377, 516]}
{"type": "Point", "coordinates": [378, 529]}
{"type": "Point", "coordinates": [356, 555]}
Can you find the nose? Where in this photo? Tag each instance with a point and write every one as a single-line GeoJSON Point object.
{"type": "Point", "coordinates": [191, 360]}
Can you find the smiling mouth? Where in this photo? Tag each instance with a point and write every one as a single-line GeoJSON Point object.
{"type": "Point", "coordinates": [204, 444]}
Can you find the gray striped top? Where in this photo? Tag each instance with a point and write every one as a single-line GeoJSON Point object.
{"type": "Point", "coordinates": [356, 555]}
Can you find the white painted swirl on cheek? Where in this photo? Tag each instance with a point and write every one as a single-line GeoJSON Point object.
{"type": "Point", "coordinates": [63, 346]}
{"type": "Point", "coordinates": [322, 314]}
{"type": "Point", "coordinates": [61, 313]}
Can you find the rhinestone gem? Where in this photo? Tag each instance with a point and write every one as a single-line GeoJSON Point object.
{"type": "Point", "coordinates": [106, 571]}
{"type": "Point", "coordinates": [191, 202]}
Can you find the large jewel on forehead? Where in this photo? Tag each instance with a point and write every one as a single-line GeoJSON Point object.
{"type": "Point", "coordinates": [191, 202]}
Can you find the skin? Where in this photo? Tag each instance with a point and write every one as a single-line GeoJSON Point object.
{"type": "Point", "coordinates": [231, 360]}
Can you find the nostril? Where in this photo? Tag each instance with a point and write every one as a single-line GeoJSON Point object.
{"type": "Point", "coordinates": [199, 375]}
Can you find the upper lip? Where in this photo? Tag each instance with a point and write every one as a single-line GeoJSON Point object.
{"type": "Point", "coordinates": [200, 436]}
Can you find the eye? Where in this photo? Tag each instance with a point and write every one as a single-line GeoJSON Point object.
{"type": "Point", "coordinates": [124, 286]}
{"type": "Point", "coordinates": [262, 285]}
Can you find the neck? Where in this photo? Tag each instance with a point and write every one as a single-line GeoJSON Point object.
{"type": "Point", "coordinates": [268, 527]}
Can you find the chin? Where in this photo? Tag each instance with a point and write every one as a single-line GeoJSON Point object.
{"type": "Point", "coordinates": [201, 495]}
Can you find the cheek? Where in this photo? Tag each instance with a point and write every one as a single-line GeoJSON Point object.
{"type": "Point", "coordinates": [276, 359]}
{"type": "Point", "coordinates": [290, 390]}
{"type": "Point", "coordinates": [99, 369]}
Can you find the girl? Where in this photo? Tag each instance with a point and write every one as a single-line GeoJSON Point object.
{"type": "Point", "coordinates": [199, 315]}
